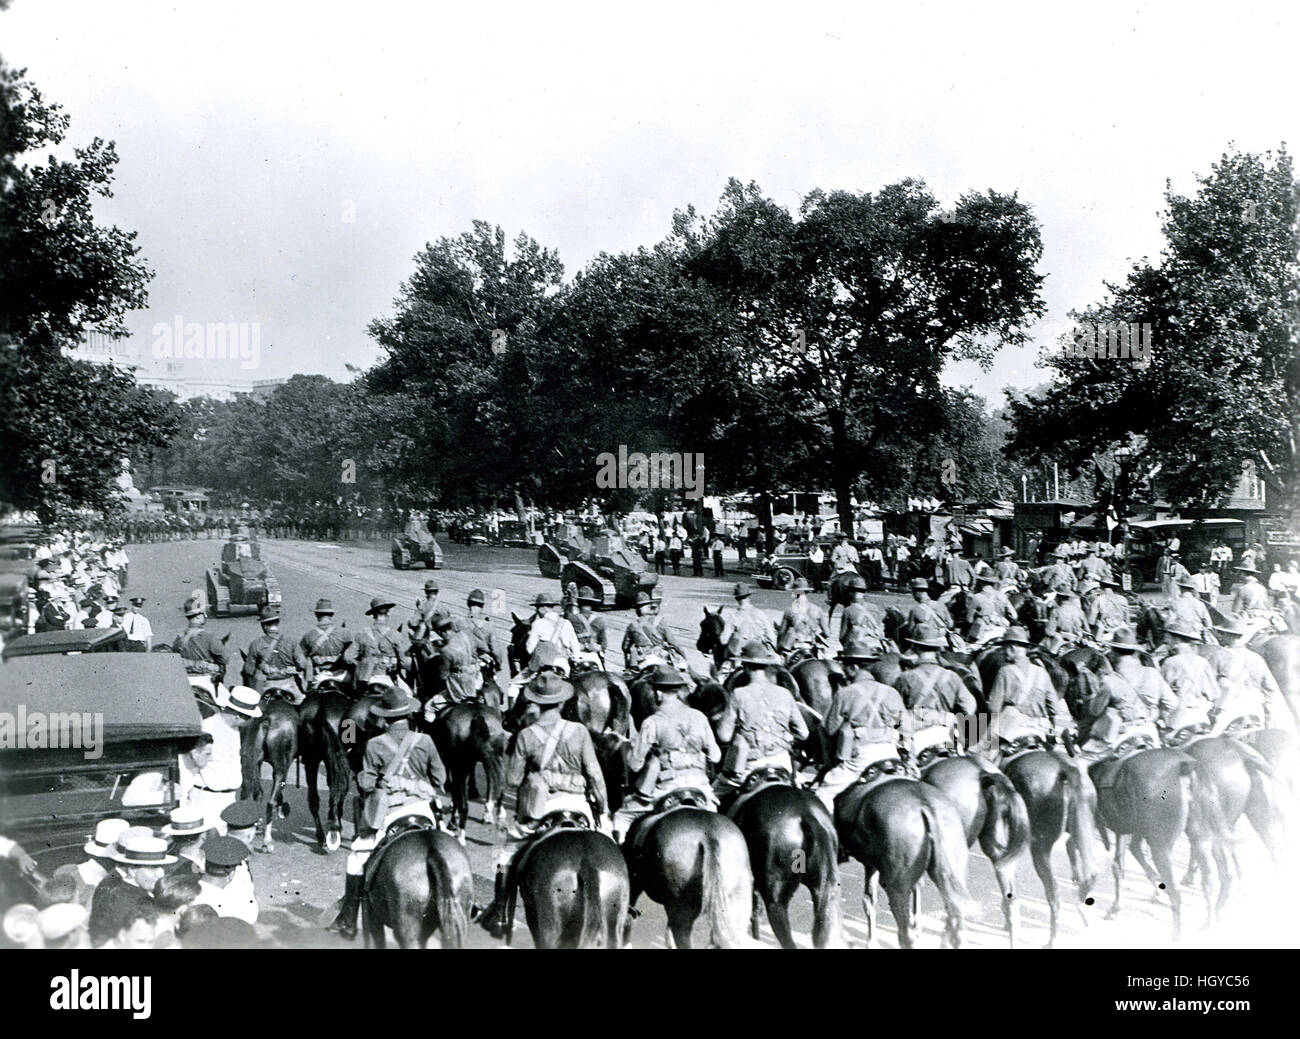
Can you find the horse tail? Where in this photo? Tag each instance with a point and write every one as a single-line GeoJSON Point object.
{"type": "Point", "coordinates": [336, 756]}
{"type": "Point", "coordinates": [947, 877]}
{"type": "Point", "coordinates": [715, 904]}
{"type": "Point", "coordinates": [1254, 761]}
{"type": "Point", "coordinates": [592, 931]}
{"type": "Point", "coordinates": [452, 919]}
{"type": "Point", "coordinates": [1007, 828]}
{"type": "Point", "coordinates": [1080, 822]}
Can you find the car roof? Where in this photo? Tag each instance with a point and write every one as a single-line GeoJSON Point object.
{"type": "Point", "coordinates": [78, 640]}
{"type": "Point", "coordinates": [142, 696]}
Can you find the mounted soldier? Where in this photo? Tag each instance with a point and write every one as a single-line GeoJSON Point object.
{"type": "Point", "coordinates": [456, 664]}
{"type": "Point", "coordinates": [672, 750]}
{"type": "Point", "coordinates": [1066, 623]}
{"type": "Point", "coordinates": [935, 695]}
{"type": "Point", "coordinates": [988, 613]}
{"type": "Point", "coordinates": [491, 656]}
{"type": "Point", "coordinates": [803, 628]}
{"type": "Point", "coordinates": [1250, 599]}
{"type": "Point", "coordinates": [1247, 686]}
{"type": "Point", "coordinates": [858, 622]}
{"type": "Point", "coordinates": [401, 775]}
{"type": "Point", "coordinates": [1108, 612]}
{"type": "Point", "coordinates": [325, 646]}
{"type": "Point", "coordinates": [761, 723]}
{"type": "Point", "coordinates": [1189, 610]}
{"type": "Point", "coordinates": [423, 624]}
{"type": "Point", "coordinates": [274, 662]}
{"type": "Point", "coordinates": [746, 623]}
{"type": "Point", "coordinates": [1006, 568]}
{"type": "Point", "coordinates": [863, 723]}
{"type": "Point", "coordinates": [1023, 704]}
{"type": "Point", "coordinates": [203, 654]}
{"type": "Point", "coordinates": [647, 641]}
{"type": "Point", "coordinates": [1092, 567]}
{"type": "Point", "coordinates": [1191, 678]}
{"type": "Point", "coordinates": [551, 628]}
{"type": "Point", "coordinates": [590, 629]}
{"type": "Point", "coordinates": [925, 611]}
{"type": "Point", "coordinates": [1058, 576]}
{"type": "Point", "coordinates": [1126, 660]}
{"type": "Point", "coordinates": [378, 650]}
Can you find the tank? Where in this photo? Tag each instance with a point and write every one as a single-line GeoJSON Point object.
{"type": "Point", "coordinates": [416, 545]}
{"type": "Point", "coordinates": [241, 579]}
{"type": "Point", "coordinates": [614, 571]}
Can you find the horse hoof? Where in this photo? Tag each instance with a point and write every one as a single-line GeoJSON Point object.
{"type": "Point", "coordinates": [284, 811]}
{"type": "Point", "coordinates": [333, 842]}
{"type": "Point", "coordinates": [460, 838]}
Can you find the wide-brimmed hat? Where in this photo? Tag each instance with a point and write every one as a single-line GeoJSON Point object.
{"type": "Point", "coordinates": [1005, 551]}
{"type": "Point", "coordinates": [430, 585]}
{"type": "Point", "coordinates": [1125, 639]}
{"type": "Point", "coordinates": [665, 677]}
{"type": "Point", "coordinates": [224, 852]}
{"type": "Point", "coordinates": [1016, 636]}
{"type": "Point", "coordinates": [1182, 630]}
{"type": "Point", "coordinates": [136, 849]}
{"type": "Point", "coordinates": [1231, 625]}
{"type": "Point", "coordinates": [919, 583]}
{"type": "Point", "coordinates": [138, 600]}
{"type": "Point", "coordinates": [741, 591]}
{"type": "Point", "coordinates": [380, 679]}
{"type": "Point", "coordinates": [192, 607]}
{"type": "Point", "coordinates": [1187, 582]}
{"type": "Point", "coordinates": [644, 598]}
{"type": "Point", "coordinates": [185, 822]}
{"type": "Point", "coordinates": [586, 594]}
{"type": "Point", "coordinates": [927, 636]}
{"type": "Point", "coordinates": [547, 689]}
{"type": "Point", "coordinates": [323, 606]}
{"type": "Point", "coordinates": [270, 614]}
{"type": "Point", "coordinates": [756, 655]}
{"type": "Point", "coordinates": [858, 649]}
{"type": "Point", "coordinates": [378, 604]}
{"type": "Point", "coordinates": [801, 585]}
{"type": "Point", "coordinates": [1249, 568]}
{"type": "Point", "coordinates": [101, 842]}
{"type": "Point", "coordinates": [544, 599]}
{"type": "Point", "coordinates": [987, 579]}
{"type": "Point", "coordinates": [397, 703]}
{"type": "Point", "coordinates": [242, 700]}
{"type": "Point", "coordinates": [476, 598]}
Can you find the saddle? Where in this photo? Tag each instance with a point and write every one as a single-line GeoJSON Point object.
{"type": "Point", "coordinates": [686, 797]}
{"type": "Point", "coordinates": [1022, 745]}
{"type": "Point", "coordinates": [1245, 726]}
{"type": "Point", "coordinates": [1187, 734]}
{"type": "Point", "coordinates": [758, 779]}
{"type": "Point", "coordinates": [890, 768]}
{"type": "Point", "coordinates": [935, 753]}
{"type": "Point", "coordinates": [403, 825]}
{"type": "Point", "coordinates": [1108, 769]}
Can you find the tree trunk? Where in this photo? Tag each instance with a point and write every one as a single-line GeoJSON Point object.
{"type": "Point", "coordinates": [841, 478]}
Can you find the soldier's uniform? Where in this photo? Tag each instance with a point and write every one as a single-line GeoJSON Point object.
{"type": "Point", "coordinates": [479, 629]}
{"type": "Point", "coordinates": [571, 772]}
{"type": "Point", "coordinates": [1251, 598]}
{"type": "Point", "coordinates": [1192, 680]}
{"type": "Point", "coordinates": [272, 659]}
{"type": "Point", "coordinates": [873, 715]}
{"type": "Point", "coordinates": [765, 719]}
{"type": "Point", "coordinates": [647, 637]}
{"type": "Point", "coordinates": [1158, 700]}
{"type": "Point", "coordinates": [1246, 685]}
{"type": "Point", "coordinates": [458, 665]}
{"type": "Point", "coordinates": [1193, 613]}
{"type": "Point", "coordinates": [1093, 569]}
{"type": "Point", "coordinates": [987, 608]}
{"type": "Point", "coordinates": [802, 626]}
{"type": "Point", "coordinates": [934, 694]}
{"type": "Point", "coordinates": [591, 635]}
{"type": "Point", "coordinates": [929, 613]}
{"type": "Point", "coordinates": [1107, 613]}
{"type": "Point", "coordinates": [324, 645]}
{"type": "Point", "coordinates": [747, 623]}
{"type": "Point", "coordinates": [1059, 576]}
{"type": "Point", "coordinates": [378, 651]}
{"type": "Point", "coordinates": [957, 571]}
{"type": "Point", "coordinates": [859, 622]}
{"type": "Point", "coordinates": [1006, 570]}
{"type": "Point", "coordinates": [1023, 701]}
{"type": "Point", "coordinates": [202, 653]}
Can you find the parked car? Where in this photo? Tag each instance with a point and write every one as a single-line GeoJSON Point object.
{"type": "Point", "coordinates": [66, 643]}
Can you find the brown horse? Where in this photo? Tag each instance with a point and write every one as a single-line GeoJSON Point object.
{"type": "Point", "coordinates": [1061, 801]}
{"type": "Point", "coordinates": [576, 891]}
{"type": "Point", "coordinates": [466, 735]}
{"type": "Point", "coordinates": [710, 639]}
{"type": "Point", "coordinates": [328, 733]}
{"type": "Point", "coordinates": [901, 829]}
{"type": "Point", "coordinates": [420, 885]}
{"type": "Point", "coordinates": [993, 813]}
{"type": "Point", "coordinates": [792, 843]}
{"type": "Point", "coordinates": [694, 863]}
{"type": "Point", "coordinates": [273, 738]}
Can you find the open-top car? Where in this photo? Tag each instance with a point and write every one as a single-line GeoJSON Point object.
{"type": "Point", "coordinates": [780, 570]}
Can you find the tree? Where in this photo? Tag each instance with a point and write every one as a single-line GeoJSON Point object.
{"type": "Point", "coordinates": [66, 425]}
{"type": "Point", "coordinates": [1221, 390]}
{"type": "Point", "coordinates": [847, 315]}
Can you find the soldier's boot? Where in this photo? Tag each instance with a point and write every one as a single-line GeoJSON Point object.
{"type": "Point", "coordinates": [345, 924]}
{"type": "Point", "coordinates": [492, 917]}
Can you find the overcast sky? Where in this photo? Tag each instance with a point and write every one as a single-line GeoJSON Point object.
{"type": "Point", "coordinates": [250, 132]}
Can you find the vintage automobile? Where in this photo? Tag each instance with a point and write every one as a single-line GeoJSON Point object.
{"type": "Point", "coordinates": [614, 571]}
{"type": "Point", "coordinates": [241, 579]}
{"type": "Point", "coordinates": [121, 722]}
{"type": "Point", "coordinates": [780, 570]}
{"type": "Point", "coordinates": [66, 643]}
{"type": "Point", "coordinates": [14, 589]}
{"type": "Point", "coordinates": [416, 545]}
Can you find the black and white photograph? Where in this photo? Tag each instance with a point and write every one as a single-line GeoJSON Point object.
{"type": "Point", "coordinates": [694, 475]}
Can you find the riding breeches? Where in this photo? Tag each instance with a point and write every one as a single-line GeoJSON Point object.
{"type": "Point", "coordinates": [846, 773]}
{"type": "Point", "coordinates": [363, 846]}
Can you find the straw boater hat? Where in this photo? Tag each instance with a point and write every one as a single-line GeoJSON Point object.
{"type": "Point", "coordinates": [185, 822]}
{"type": "Point", "coordinates": [1015, 636]}
{"type": "Point", "coordinates": [242, 700]}
{"type": "Point", "coordinates": [58, 921]}
{"type": "Point", "coordinates": [107, 831]}
{"type": "Point", "coordinates": [324, 606]}
{"type": "Point", "coordinates": [397, 703]}
{"type": "Point", "coordinates": [1125, 640]}
{"type": "Point", "coordinates": [378, 604]}
{"type": "Point", "coordinates": [135, 849]}
{"type": "Point", "coordinates": [755, 654]}
{"type": "Point", "coordinates": [547, 689]}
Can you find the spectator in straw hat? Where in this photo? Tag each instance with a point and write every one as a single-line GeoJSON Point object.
{"type": "Point", "coordinates": [186, 829]}
{"type": "Point", "coordinates": [63, 926]}
{"type": "Point", "coordinates": [140, 860]}
{"type": "Point", "coordinates": [220, 779]}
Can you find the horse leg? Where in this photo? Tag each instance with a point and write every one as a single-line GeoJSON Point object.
{"type": "Point", "coordinates": [1041, 853]}
{"type": "Point", "coordinates": [1137, 847]}
{"type": "Point", "coordinates": [756, 916]}
{"type": "Point", "coordinates": [870, 895]}
{"type": "Point", "coordinates": [901, 903]}
{"type": "Point", "coordinates": [777, 901]}
{"type": "Point", "coordinates": [1005, 874]}
{"type": "Point", "coordinates": [312, 763]}
{"type": "Point", "coordinates": [1117, 870]}
{"type": "Point", "coordinates": [680, 919]}
{"type": "Point", "coordinates": [1160, 855]}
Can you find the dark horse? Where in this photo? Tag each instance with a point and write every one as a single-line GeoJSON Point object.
{"type": "Point", "coordinates": [838, 592]}
{"type": "Point", "coordinates": [335, 731]}
{"type": "Point", "coordinates": [273, 738]}
{"type": "Point", "coordinates": [992, 813]}
{"type": "Point", "coordinates": [575, 887]}
{"type": "Point", "coordinates": [467, 734]}
{"type": "Point", "coordinates": [710, 640]}
{"type": "Point", "coordinates": [792, 842]}
{"type": "Point", "coordinates": [901, 829]}
{"type": "Point", "coordinates": [694, 863]}
{"type": "Point", "coordinates": [419, 883]}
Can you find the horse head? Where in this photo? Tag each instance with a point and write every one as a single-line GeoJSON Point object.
{"type": "Point", "coordinates": [1085, 692]}
{"type": "Point", "coordinates": [711, 627]}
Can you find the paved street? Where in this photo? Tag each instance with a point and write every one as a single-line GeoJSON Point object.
{"type": "Point", "coordinates": [298, 884]}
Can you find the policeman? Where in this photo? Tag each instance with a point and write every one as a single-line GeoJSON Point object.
{"type": "Point", "coordinates": [379, 650]}
{"type": "Point", "coordinates": [746, 623]}
{"type": "Point", "coordinates": [139, 633]}
{"type": "Point", "coordinates": [274, 662]}
{"type": "Point", "coordinates": [401, 775]}
{"type": "Point", "coordinates": [324, 646]}
{"type": "Point", "coordinates": [863, 723]}
{"type": "Point", "coordinates": [803, 626]}
{"type": "Point", "coordinates": [671, 751]}
{"type": "Point", "coordinates": [203, 654]}
{"type": "Point", "coordinates": [761, 723]}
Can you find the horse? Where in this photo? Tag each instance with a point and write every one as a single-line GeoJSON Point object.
{"type": "Point", "coordinates": [792, 841]}
{"type": "Point", "coordinates": [695, 863]}
{"type": "Point", "coordinates": [330, 728]}
{"type": "Point", "coordinates": [419, 883]}
{"type": "Point", "coordinates": [838, 592]}
{"type": "Point", "coordinates": [710, 639]}
{"type": "Point", "coordinates": [575, 887]}
{"type": "Point", "coordinates": [900, 829]}
{"type": "Point", "coordinates": [993, 813]}
{"type": "Point", "coordinates": [467, 734]}
{"type": "Point", "coordinates": [273, 738]}
{"type": "Point", "coordinates": [517, 653]}
{"type": "Point", "coordinates": [1032, 613]}
{"type": "Point", "coordinates": [1282, 655]}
